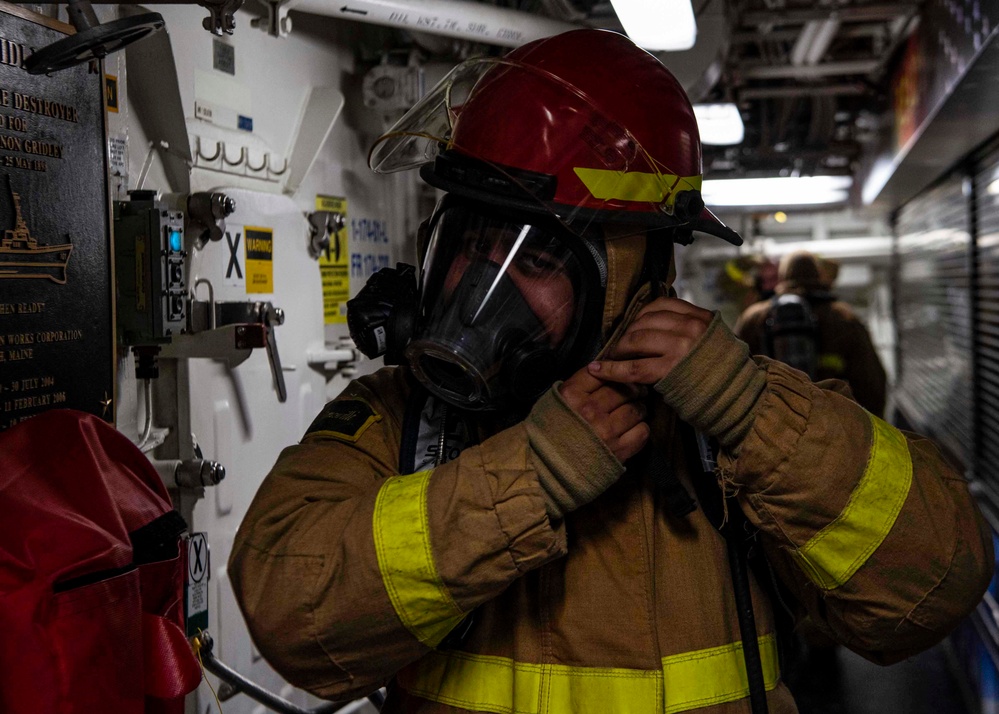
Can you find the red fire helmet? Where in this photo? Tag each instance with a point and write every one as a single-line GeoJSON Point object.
{"type": "Point", "coordinates": [585, 125]}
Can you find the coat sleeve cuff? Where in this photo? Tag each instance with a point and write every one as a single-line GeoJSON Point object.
{"type": "Point", "coordinates": [716, 386]}
{"type": "Point", "coordinates": [573, 464]}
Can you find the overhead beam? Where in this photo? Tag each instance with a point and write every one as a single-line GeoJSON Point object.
{"type": "Point", "coordinates": [818, 90]}
{"type": "Point", "coordinates": [790, 34]}
{"type": "Point", "coordinates": [829, 69]}
{"type": "Point", "coordinates": [860, 13]}
{"type": "Point", "coordinates": [744, 38]}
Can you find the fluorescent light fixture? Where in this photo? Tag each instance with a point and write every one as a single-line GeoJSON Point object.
{"type": "Point", "coordinates": [658, 25]}
{"type": "Point", "coordinates": [776, 191]}
{"type": "Point", "coordinates": [719, 124]}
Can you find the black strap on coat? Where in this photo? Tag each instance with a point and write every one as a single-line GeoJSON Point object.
{"type": "Point", "coordinates": [729, 520]}
{"type": "Point", "coordinates": [411, 428]}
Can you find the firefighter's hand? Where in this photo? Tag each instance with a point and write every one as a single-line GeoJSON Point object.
{"type": "Point", "coordinates": [615, 411]}
{"type": "Point", "coordinates": [662, 334]}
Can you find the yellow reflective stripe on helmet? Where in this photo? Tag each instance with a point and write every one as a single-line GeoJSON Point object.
{"type": "Point", "coordinates": [499, 684]}
{"type": "Point", "coordinates": [835, 553]}
{"type": "Point", "coordinates": [704, 677]}
{"type": "Point", "coordinates": [606, 185]}
{"type": "Point", "coordinates": [402, 542]}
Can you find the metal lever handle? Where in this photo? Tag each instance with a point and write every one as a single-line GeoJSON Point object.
{"type": "Point", "coordinates": [272, 317]}
{"type": "Point", "coordinates": [250, 318]}
{"type": "Point", "coordinates": [205, 644]}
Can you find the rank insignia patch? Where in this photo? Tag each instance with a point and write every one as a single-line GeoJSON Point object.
{"type": "Point", "coordinates": [344, 419]}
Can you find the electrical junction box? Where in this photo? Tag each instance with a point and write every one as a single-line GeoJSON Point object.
{"type": "Point", "coordinates": [150, 272]}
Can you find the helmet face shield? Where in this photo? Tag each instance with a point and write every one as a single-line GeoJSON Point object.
{"type": "Point", "coordinates": [418, 136]}
{"type": "Point", "coordinates": [507, 305]}
{"type": "Point", "coordinates": [489, 130]}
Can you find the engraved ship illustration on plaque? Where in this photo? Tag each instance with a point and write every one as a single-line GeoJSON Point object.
{"type": "Point", "coordinates": [21, 256]}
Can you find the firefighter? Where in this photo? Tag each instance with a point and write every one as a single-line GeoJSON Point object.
{"type": "Point", "coordinates": [827, 341]}
{"type": "Point", "coordinates": [527, 516]}
{"type": "Point", "coordinates": [841, 346]}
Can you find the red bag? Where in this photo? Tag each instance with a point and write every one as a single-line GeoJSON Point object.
{"type": "Point", "coordinates": [91, 574]}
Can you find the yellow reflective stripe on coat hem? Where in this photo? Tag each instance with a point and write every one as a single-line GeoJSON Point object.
{"type": "Point", "coordinates": [713, 676]}
{"type": "Point", "coordinates": [836, 552]}
{"type": "Point", "coordinates": [498, 684]}
{"type": "Point", "coordinates": [402, 542]}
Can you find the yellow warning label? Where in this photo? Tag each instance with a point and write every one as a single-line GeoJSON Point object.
{"type": "Point", "coordinates": [111, 93]}
{"type": "Point", "coordinates": [259, 259]}
{"type": "Point", "coordinates": [333, 264]}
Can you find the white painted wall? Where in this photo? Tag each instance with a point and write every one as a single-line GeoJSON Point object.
{"type": "Point", "coordinates": [234, 415]}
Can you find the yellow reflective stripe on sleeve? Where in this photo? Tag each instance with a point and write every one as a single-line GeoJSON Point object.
{"type": "Point", "coordinates": [607, 185]}
{"type": "Point", "coordinates": [698, 679]}
{"type": "Point", "coordinates": [402, 542]}
{"type": "Point", "coordinates": [498, 684]}
{"type": "Point", "coordinates": [836, 552]}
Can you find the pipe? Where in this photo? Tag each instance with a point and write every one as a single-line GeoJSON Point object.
{"type": "Point", "coordinates": [824, 36]}
{"type": "Point", "coordinates": [204, 645]}
{"type": "Point", "coordinates": [799, 90]}
{"type": "Point", "coordinates": [814, 41]}
{"type": "Point", "coordinates": [450, 18]}
{"type": "Point", "coordinates": [854, 13]}
{"type": "Point", "coordinates": [147, 427]}
{"type": "Point", "coordinates": [193, 473]}
{"type": "Point", "coordinates": [829, 69]}
{"type": "Point", "coordinates": [804, 41]}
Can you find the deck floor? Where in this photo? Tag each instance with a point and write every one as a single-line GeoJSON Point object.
{"type": "Point", "coordinates": [845, 683]}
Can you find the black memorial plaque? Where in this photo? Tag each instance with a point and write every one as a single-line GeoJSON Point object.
{"type": "Point", "coordinates": [56, 330]}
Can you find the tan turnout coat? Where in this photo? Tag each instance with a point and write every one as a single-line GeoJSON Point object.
{"type": "Point", "coordinates": [350, 574]}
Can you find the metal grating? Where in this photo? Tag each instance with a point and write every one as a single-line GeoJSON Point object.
{"type": "Point", "coordinates": [934, 315]}
{"type": "Point", "coordinates": [987, 320]}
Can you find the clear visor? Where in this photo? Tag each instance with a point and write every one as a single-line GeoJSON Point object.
{"type": "Point", "coordinates": [503, 307]}
{"type": "Point", "coordinates": [599, 167]}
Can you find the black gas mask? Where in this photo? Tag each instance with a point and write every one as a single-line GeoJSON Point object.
{"type": "Point", "coordinates": [506, 306]}
{"type": "Point", "coordinates": [485, 343]}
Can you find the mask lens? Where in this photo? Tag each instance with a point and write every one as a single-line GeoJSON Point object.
{"type": "Point", "coordinates": [502, 307]}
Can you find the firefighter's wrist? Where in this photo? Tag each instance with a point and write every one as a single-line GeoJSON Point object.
{"type": "Point", "coordinates": [573, 464]}
{"type": "Point", "coordinates": [716, 386]}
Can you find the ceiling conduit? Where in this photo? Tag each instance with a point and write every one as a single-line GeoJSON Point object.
{"type": "Point", "coordinates": [450, 18]}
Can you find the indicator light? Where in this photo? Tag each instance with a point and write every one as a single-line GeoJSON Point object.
{"type": "Point", "coordinates": [176, 241]}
